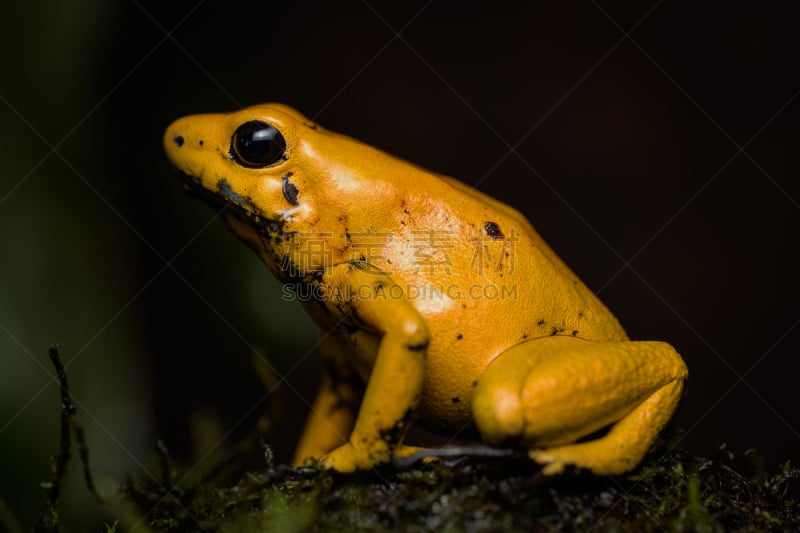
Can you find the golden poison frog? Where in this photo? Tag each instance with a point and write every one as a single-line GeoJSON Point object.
{"type": "Point", "coordinates": [436, 304]}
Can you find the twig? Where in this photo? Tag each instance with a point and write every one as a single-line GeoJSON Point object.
{"type": "Point", "coordinates": [164, 460]}
{"type": "Point", "coordinates": [84, 451]}
{"type": "Point", "coordinates": [453, 451]}
{"type": "Point", "coordinates": [48, 519]}
{"type": "Point", "coordinates": [67, 410]}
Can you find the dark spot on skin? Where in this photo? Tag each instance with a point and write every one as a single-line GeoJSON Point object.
{"type": "Point", "coordinates": [403, 222]}
{"type": "Point", "coordinates": [493, 230]}
{"type": "Point", "coordinates": [416, 347]}
{"type": "Point", "coordinates": [541, 322]}
{"type": "Point", "coordinates": [455, 400]}
{"type": "Point", "coordinates": [289, 190]}
{"type": "Point", "coordinates": [463, 306]}
{"type": "Point", "coordinates": [406, 211]}
{"type": "Point", "coordinates": [574, 332]}
{"type": "Point", "coordinates": [554, 331]}
{"type": "Point", "coordinates": [459, 336]}
{"type": "Point", "coordinates": [524, 335]}
{"type": "Point", "coordinates": [178, 139]}
{"type": "Point", "coordinates": [230, 195]}
{"type": "Point", "coordinates": [393, 435]}
{"type": "Point", "coordinates": [201, 142]}
{"type": "Point", "coordinates": [474, 384]}
{"type": "Point", "coordinates": [580, 315]}
{"type": "Point", "coordinates": [358, 264]}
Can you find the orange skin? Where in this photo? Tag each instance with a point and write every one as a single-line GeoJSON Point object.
{"type": "Point", "coordinates": [436, 303]}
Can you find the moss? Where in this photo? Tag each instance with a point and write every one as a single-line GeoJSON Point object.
{"type": "Point", "coordinates": [668, 492]}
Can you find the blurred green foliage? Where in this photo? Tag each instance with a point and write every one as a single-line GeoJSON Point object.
{"type": "Point", "coordinates": [80, 263]}
{"type": "Point", "coordinates": [64, 274]}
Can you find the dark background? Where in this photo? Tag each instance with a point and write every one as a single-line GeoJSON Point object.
{"type": "Point", "coordinates": [661, 166]}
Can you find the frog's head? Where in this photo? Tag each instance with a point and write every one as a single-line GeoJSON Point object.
{"type": "Point", "coordinates": [282, 180]}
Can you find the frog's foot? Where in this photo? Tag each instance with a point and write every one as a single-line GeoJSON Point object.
{"type": "Point", "coordinates": [348, 458]}
{"type": "Point", "coordinates": [623, 446]}
{"type": "Point", "coordinates": [551, 392]}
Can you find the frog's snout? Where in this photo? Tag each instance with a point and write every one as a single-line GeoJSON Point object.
{"type": "Point", "coordinates": [190, 136]}
{"type": "Point", "coordinates": [175, 138]}
{"type": "Point", "coordinates": [173, 141]}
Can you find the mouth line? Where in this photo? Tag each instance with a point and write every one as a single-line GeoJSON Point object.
{"type": "Point", "coordinates": [253, 216]}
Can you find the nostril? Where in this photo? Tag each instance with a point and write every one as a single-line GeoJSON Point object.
{"type": "Point", "coordinates": [178, 139]}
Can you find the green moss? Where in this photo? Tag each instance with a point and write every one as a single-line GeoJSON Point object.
{"type": "Point", "coordinates": [668, 492]}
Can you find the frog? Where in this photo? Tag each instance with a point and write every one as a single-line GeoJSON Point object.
{"type": "Point", "coordinates": [437, 305]}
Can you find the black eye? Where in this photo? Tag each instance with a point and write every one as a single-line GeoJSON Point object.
{"type": "Point", "coordinates": [256, 144]}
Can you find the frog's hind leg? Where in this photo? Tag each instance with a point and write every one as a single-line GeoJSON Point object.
{"type": "Point", "coordinates": [548, 393]}
{"type": "Point", "coordinates": [334, 410]}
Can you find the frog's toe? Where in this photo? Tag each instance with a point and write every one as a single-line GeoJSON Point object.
{"type": "Point", "coordinates": [551, 465]}
{"type": "Point", "coordinates": [602, 457]}
{"type": "Point", "coordinates": [347, 458]}
{"type": "Point", "coordinates": [341, 459]}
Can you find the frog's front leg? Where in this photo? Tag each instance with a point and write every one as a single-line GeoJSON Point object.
{"type": "Point", "coordinates": [395, 384]}
{"type": "Point", "coordinates": [550, 392]}
{"type": "Point", "coordinates": [333, 412]}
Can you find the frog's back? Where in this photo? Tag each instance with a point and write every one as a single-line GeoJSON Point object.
{"type": "Point", "coordinates": [530, 289]}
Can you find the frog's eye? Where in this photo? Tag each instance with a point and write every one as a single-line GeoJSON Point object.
{"type": "Point", "coordinates": [256, 144]}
